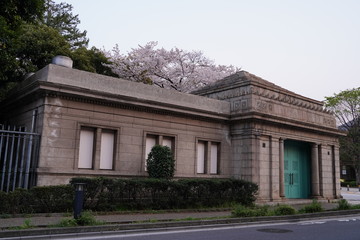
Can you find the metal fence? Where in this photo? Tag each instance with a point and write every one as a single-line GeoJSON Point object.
{"type": "Point", "coordinates": [18, 157]}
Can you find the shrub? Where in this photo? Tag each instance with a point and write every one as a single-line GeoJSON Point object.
{"type": "Point", "coordinates": [52, 198]}
{"type": "Point", "coordinates": [350, 183]}
{"type": "Point", "coordinates": [281, 210]}
{"type": "Point", "coordinates": [356, 206]}
{"type": "Point", "coordinates": [315, 206]}
{"type": "Point", "coordinates": [160, 162]}
{"type": "Point", "coordinates": [246, 211]}
{"type": "Point", "coordinates": [104, 194]}
{"type": "Point", "coordinates": [343, 205]}
{"type": "Point", "coordinates": [87, 219]}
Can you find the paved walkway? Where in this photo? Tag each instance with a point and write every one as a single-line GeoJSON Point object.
{"type": "Point", "coordinates": [42, 220]}
{"type": "Point", "coordinates": [353, 196]}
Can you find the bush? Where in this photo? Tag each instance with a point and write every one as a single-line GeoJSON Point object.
{"type": "Point", "coordinates": [343, 205]}
{"type": "Point", "coordinates": [281, 210]}
{"type": "Point", "coordinates": [315, 206]}
{"type": "Point", "coordinates": [350, 183]}
{"type": "Point", "coordinates": [45, 199]}
{"type": "Point", "coordinates": [160, 162]}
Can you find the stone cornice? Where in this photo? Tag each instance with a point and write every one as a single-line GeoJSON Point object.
{"type": "Point", "coordinates": [245, 84]}
{"type": "Point", "coordinates": [292, 123]}
{"type": "Point", "coordinates": [99, 98]}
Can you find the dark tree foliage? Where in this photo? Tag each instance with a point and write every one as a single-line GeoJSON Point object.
{"type": "Point", "coordinates": [32, 32]}
{"type": "Point", "coordinates": [91, 60]}
{"type": "Point", "coordinates": [38, 44]}
{"type": "Point", "coordinates": [14, 12]}
{"type": "Point", "coordinates": [60, 17]}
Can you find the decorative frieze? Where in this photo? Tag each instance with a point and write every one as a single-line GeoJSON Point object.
{"type": "Point", "coordinates": [263, 106]}
{"type": "Point", "coordinates": [265, 93]}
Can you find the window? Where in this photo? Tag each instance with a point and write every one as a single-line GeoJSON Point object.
{"type": "Point", "coordinates": [207, 157]}
{"type": "Point", "coordinates": [107, 150]}
{"type": "Point", "coordinates": [94, 139]}
{"type": "Point", "coordinates": [152, 139]}
{"type": "Point", "coordinates": [201, 156]}
{"type": "Point", "coordinates": [86, 149]}
{"type": "Point", "coordinates": [214, 158]}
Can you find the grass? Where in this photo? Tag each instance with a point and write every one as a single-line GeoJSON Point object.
{"type": "Point", "coordinates": [314, 207]}
{"type": "Point", "coordinates": [26, 225]}
{"type": "Point", "coordinates": [86, 219]}
{"type": "Point", "coordinates": [278, 210]}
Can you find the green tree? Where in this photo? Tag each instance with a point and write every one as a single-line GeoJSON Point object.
{"type": "Point", "coordinates": [60, 17]}
{"type": "Point", "coordinates": [38, 44]}
{"type": "Point", "coordinates": [160, 162]}
{"type": "Point", "coordinates": [91, 60]}
{"type": "Point", "coordinates": [32, 32]}
{"type": "Point", "coordinates": [13, 14]}
{"type": "Point", "coordinates": [346, 107]}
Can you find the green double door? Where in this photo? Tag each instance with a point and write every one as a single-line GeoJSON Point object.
{"type": "Point", "coordinates": [297, 171]}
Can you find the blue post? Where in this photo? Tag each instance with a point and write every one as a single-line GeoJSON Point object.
{"type": "Point", "coordinates": [79, 199]}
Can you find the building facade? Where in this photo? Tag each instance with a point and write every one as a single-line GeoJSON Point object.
{"type": "Point", "coordinates": [241, 126]}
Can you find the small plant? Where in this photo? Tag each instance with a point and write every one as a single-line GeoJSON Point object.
{"type": "Point", "coordinates": [86, 219]}
{"type": "Point", "coordinates": [282, 210]}
{"type": "Point", "coordinates": [26, 225]}
{"type": "Point", "coordinates": [67, 222]}
{"type": "Point", "coordinates": [343, 205]}
{"type": "Point", "coordinates": [160, 162]}
{"type": "Point", "coordinates": [356, 206]}
{"type": "Point", "coordinates": [243, 211]}
{"type": "Point", "coordinates": [315, 206]}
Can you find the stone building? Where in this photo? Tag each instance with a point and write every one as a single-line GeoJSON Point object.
{"type": "Point", "coordinates": [241, 126]}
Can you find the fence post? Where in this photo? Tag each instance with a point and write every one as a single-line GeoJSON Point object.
{"type": "Point", "coordinates": [28, 159]}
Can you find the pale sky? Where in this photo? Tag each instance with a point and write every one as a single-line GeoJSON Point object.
{"type": "Point", "coordinates": [311, 47]}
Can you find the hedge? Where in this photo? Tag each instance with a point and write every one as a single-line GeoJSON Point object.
{"type": "Point", "coordinates": [45, 199]}
{"type": "Point", "coordinates": [148, 193]}
{"type": "Point", "coordinates": [110, 194]}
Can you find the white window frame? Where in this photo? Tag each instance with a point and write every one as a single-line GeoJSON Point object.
{"type": "Point", "coordinates": [104, 139]}
{"type": "Point", "coordinates": [86, 148]}
{"type": "Point", "coordinates": [160, 139]}
{"type": "Point", "coordinates": [107, 149]}
{"type": "Point", "coordinates": [207, 157]}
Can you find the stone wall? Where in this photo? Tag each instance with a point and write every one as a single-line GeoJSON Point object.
{"type": "Point", "coordinates": [63, 119]}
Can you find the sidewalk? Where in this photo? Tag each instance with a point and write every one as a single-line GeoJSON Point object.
{"type": "Point", "coordinates": [43, 220]}
{"type": "Point", "coordinates": [40, 220]}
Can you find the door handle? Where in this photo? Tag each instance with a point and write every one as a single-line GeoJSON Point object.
{"type": "Point", "coordinates": [291, 178]}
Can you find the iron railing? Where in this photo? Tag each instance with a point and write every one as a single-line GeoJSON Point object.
{"type": "Point", "coordinates": [18, 157]}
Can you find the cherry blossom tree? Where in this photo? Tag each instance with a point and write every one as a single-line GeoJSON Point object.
{"type": "Point", "coordinates": [171, 69]}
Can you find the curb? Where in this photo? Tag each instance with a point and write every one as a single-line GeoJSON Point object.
{"type": "Point", "coordinates": [44, 233]}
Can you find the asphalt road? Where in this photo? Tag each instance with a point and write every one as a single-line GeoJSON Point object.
{"type": "Point", "coordinates": [329, 229]}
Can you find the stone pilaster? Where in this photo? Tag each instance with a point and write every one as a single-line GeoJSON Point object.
{"type": "Point", "coordinates": [281, 168]}
{"type": "Point", "coordinates": [315, 170]}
